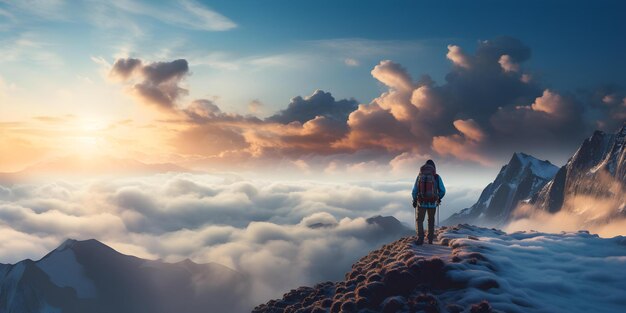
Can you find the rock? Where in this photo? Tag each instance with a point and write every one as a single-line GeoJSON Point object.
{"type": "Point", "coordinates": [482, 307]}
{"type": "Point", "coordinates": [393, 304]}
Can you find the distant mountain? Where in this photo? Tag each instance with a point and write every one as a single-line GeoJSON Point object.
{"type": "Point", "coordinates": [387, 227]}
{"type": "Point", "coordinates": [88, 276]}
{"type": "Point", "coordinates": [390, 225]}
{"type": "Point", "coordinates": [517, 181]}
{"type": "Point", "coordinates": [82, 166]}
{"type": "Point", "coordinates": [596, 171]}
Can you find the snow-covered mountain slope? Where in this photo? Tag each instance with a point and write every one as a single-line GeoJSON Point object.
{"type": "Point", "coordinates": [522, 177]}
{"type": "Point", "coordinates": [476, 270]}
{"type": "Point", "coordinates": [88, 276]}
{"type": "Point", "coordinates": [593, 179]}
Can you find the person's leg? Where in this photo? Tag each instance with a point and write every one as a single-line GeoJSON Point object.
{"type": "Point", "coordinates": [431, 225]}
{"type": "Point", "coordinates": [421, 214]}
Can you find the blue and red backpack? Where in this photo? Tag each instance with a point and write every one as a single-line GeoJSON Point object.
{"type": "Point", "coordinates": [428, 186]}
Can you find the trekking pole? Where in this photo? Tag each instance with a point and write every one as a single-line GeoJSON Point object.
{"type": "Point", "coordinates": [438, 214]}
{"type": "Point", "coordinates": [415, 210]}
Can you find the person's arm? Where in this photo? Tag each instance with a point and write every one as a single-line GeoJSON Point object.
{"type": "Point", "coordinates": [442, 188]}
{"type": "Point", "coordinates": [414, 192]}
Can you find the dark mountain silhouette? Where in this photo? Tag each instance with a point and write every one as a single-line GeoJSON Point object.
{"type": "Point", "coordinates": [88, 276]}
{"type": "Point", "coordinates": [386, 226]}
{"type": "Point", "coordinates": [390, 226]}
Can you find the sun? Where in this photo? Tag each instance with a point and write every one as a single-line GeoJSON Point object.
{"type": "Point", "coordinates": [88, 137]}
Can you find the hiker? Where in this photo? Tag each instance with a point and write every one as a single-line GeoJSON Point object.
{"type": "Point", "coordinates": [427, 194]}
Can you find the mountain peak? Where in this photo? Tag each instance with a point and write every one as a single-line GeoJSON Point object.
{"type": "Point", "coordinates": [84, 246]}
{"type": "Point", "coordinates": [542, 168]}
{"type": "Point", "coordinates": [89, 276]}
{"type": "Point", "coordinates": [385, 222]}
{"type": "Point", "coordinates": [68, 243]}
{"type": "Point", "coordinates": [521, 155]}
{"type": "Point", "coordinates": [517, 181]}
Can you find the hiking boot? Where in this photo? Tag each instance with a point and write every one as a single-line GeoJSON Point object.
{"type": "Point", "coordinates": [420, 241]}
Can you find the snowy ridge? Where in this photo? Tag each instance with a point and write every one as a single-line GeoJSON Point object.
{"type": "Point", "coordinates": [65, 271]}
{"type": "Point", "coordinates": [543, 169]}
{"type": "Point", "coordinates": [615, 156]}
{"type": "Point", "coordinates": [517, 181]}
{"type": "Point", "coordinates": [476, 270]}
{"type": "Point", "coordinates": [596, 170]}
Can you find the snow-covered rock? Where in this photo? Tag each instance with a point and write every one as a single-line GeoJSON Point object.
{"type": "Point", "coordinates": [595, 173]}
{"type": "Point", "coordinates": [517, 181]}
{"type": "Point", "coordinates": [476, 270]}
{"type": "Point", "coordinates": [65, 271]}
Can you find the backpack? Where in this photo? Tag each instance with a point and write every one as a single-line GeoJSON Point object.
{"type": "Point", "coordinates": [428, 187]}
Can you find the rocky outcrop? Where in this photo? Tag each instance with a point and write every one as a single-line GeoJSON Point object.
{"type": "Point", "coordinates": [398, 277]}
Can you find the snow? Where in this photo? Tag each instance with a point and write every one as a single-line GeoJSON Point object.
{"type": "Point", "coordinates": [543, 169]}
{"type": "Point", "coordinates": [64, 271]}
{"type": "Point", "coordinates": [518, 272]}
{"type": "Point", "coordinates": [488, 201]}
{"type": "Point", "coordinates": [539, 272]}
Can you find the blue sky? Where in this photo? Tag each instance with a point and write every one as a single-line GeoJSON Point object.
{"type": "Point", "coordinates": [253, 57]}
{"type": "Point", "coordinates": [574, 45]}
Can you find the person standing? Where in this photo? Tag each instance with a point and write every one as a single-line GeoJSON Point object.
{"type": "Point", "coordinates": [427, 194]}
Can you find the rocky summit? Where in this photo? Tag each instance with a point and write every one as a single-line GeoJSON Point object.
{"type": "Point", "coordinates": [398, 277]}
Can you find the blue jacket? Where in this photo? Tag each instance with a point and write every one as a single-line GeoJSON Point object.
{"type": "Point", "coordinates": [429, 205]}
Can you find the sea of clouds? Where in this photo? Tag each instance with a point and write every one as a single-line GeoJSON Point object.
{"type": "Point", "coordinates": [260, 228]}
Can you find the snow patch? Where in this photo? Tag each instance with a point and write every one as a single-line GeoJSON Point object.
{"type": "Point", "coordinates": [539, 272]}
{"type": "Point", "coordinates": [64, 271]}
{"type": "Point", "coordinates": [543, 169]}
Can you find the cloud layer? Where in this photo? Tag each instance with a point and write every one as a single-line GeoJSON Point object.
{"type": "Point", "coordinates": [268, 230]}
{"type": "Point", "coordinates": [488, 107]}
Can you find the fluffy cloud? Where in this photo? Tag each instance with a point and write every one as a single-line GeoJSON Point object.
{"type": "Point", "coordinates": [470, 129]}
{"type": "Point", "coordinates": [320, 103]}
{"type": "Point", "coordinates": [158, 82]}
{"type": "Point", "coordinates": [281, 234]}
{"type": "Point", "coordinates": [487, 108]}
{"type": "Point", "coordinates": [507, 64]}
{"type": "Point", "coordinates": [393, 75]}
{"type": "Point", "coordinates": [465, 146]}
{"type": "Point", "coordinates": [309, 125]}
{"type": "Point", "coordinates": [456, 55]}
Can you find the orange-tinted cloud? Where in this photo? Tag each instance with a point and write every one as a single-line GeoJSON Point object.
{"type": "Point", "coordinates": [486, 108]}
